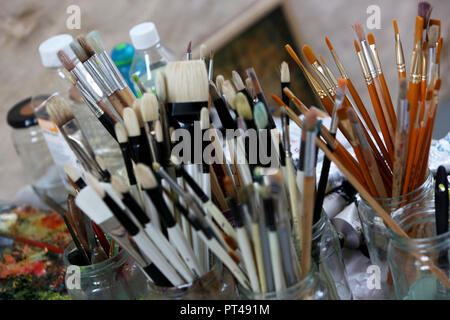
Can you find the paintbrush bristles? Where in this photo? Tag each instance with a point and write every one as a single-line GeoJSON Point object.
{"type": "Point", "coordinates": [94, 184]}
{"type": "Point", "coordinates": [145, 176]}
{"type": "Point", "coordinates": [118, 185]}
{"type": "Point", "coordinates": [59, 110]}
{"type": "Point", "coordinates": [219, 82]}
{"type": "Point", "coordinates": [358, 49]}
{"type": "Point", "coordinates": [158, 131]}
{"type": "Point", "coordinates": [328, 44]}
{"type": "Point", "coordinates": [229, 93]}
{"type": "Point", "coordinates": [121, 133]}
{"type": "Point", "coordinates": [95, 41]}
{"type": "Point", "coordinates": [284, 71]}
{"type": "Point", "coordinates": [131, 122]}
{"type": "Point", "coordinates": [260, 116]}
{"type": "Point", "coordinates": [395, 26]}
{"type": "Point", "coordinates": [149, 107]}
{"type": "Point", "coordinates": [204, 118]}
{"type": "Point", "coordinates": [370, 38]}
{"type": "Point", "coordinates": [237, 81]}
{"type": "Point", "coordinates": [433, 35]}
{"type": "Point", "coordinates": [359, 30]}
{"type": "Point", "coordinates": [71, 172]}
{"type": "Point", "coordinates": [79, 51]}
{"type": "Point", "coordinates": [160, 86]}
{"type": "Point", "coordinates": [187, 81]}
{"type": "Point", "coordinates": [424, 11]}
{"type": "Point", "coordinates": [309, 54]}
{"type": "Point", "coordinates": [310, 120]}
{"type": "Point", "coordinates": [65, 60]}
{"type": "Point", "coordinates": [342, 84]}
{"type": "Point", "coordinates": [86, 46]}
{"type": "Point", "coordinates": [242, 106]}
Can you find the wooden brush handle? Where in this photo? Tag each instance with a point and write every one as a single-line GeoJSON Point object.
{"type": "Point", "coordinates": [309, 185]}
{"type": "Point", "coordinates": [390, 106]}
{"type": "Point", "coordinates": [384, 108]}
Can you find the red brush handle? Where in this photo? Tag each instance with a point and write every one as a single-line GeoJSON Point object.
{"type": "Point", "coordinates": [101, 237]}
{"type": "Point", "coordinates": [39, 244]}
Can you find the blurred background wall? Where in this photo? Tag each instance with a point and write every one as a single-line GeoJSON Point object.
{"type": "Point", "coordinates": [25, 23]}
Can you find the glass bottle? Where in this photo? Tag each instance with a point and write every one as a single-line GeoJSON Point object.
{"type": "Point", "coordinates": [375, 232]}
{"type": "Point", "coordinates": [150, 55]}
{"type": "Point", "coordinates": [413, 279]}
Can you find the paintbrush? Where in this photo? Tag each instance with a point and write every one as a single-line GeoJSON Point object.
{"type": "Point", "coordinates": [229, 93]}
{"type": "Point", "coordinates": [155, 235]}
{"type": "Point", "coordinates": [62, 115]}
{"type": "Point", "coordinates": [323, 181]}
{"type": "Point", "coordinates": [150, 185]}
{"type": "Point", "coordinates": [89, 90]}
{"type": "Point", "coordinates": [135, 137]}
{"type": "Point", "coordinates": [92, 204]}
{"type": "Point", "coordinates": [260, 95]}
{"type": "Point", "coordinates": [399, 57]}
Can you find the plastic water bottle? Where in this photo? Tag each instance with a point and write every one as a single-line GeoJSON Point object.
{"type": "Point", "coordinates": [122, 55]}
{"type": "Point", "coordinates": [150, 55]}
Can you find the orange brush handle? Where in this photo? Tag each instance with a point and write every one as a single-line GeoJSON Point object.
{"type": "Point", "coordinates": [309, 184]}
{"type": "Point", "coordinates": [367, 119]}
{"type": "Point", "coordinates": [388, 101]}
{"type": "Point", "coordinates": [384, 108]}
{"type": "Point", "coordinates": [409, 163]}
{"type": "Point", "coordinates": [402, 75]}
{"type": "Point", "coordinates": [380, 118]}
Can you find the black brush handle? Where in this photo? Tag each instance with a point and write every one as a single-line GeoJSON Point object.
{"type": "Point", "coordinates": [224, 114]}
{"type": "Point", "coordinates": [126, 155]}
{"type": "Point", "coordinates": [135, 209]}
{"type": "Point", "coordinates": [321, 189]}
{"type": "Point", "coordinates": [120, 215]}
{"type": "Point", "coordinates": [146, 154]}
{"type": "Point", "coordinates": [108, 124]}
{"type": "Point", "coordinates": [158, 278]}
{"type": "Point", "coordinates": [441, 204]}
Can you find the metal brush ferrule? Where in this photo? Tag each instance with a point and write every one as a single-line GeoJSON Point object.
{"type": "Point", "coordinates": [330, 76]}
{"type": "Point", "coordinates": [110, 71]}
{"type": "Point", "coordinates": [89, 100]}
{"type": "Point", "coordinates": [337, 105]}
{"type": "Point", "coordinates": [286, 136]}
{"type": "Point", "coordinates": [315, 85]}
{"type": "Point", "coordinates": [72, 130]}
{"type": "Point", "coordinates": [339, 65]}
{"type": "Point", "coordinates": [416, 67]}
{"type": "Point", "coordinates": [87, 81]}
{"type": "Point", "coordinates": [431, 64]}
{"type": "Point", "coordinates": [376, 59]}
{"type": "Point", "coordinates": [364, 68]}
{"type": "Point", "coordinates": [320, 73]}
{"type": "Point", "coordinates": [367, 54]}
{"type": "Point", "coordinates": [95, 70]}
{"type": "Point", "coordinates": [310, 154]}
{"type": "Point", "coordinates": [399, 57]}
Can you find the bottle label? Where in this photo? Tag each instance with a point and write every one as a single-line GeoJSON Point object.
{"type": "Point", "coordinates": [59, 149]}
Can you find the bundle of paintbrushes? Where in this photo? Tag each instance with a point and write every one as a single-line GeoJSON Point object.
{"type": "Point", "coordinates": [191, 190]}
{"type": "Point", "coordinates": [395, 162]}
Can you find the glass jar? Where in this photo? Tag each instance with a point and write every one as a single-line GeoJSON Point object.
{"type": "Point", "coordinates": [30, 146]}
{"type": "Point", "coordinates": [413, 279]}
{"type": "Point", "coordinates": [310, 288]}
{"type": "Point", "coordinates": [216, 284]}
{"type": "Point", "coordinates": [375, 232]}
{"type": "Point", "coordinates": [327, 254]}
{"type": "Point", "coordinates": [117, 278]}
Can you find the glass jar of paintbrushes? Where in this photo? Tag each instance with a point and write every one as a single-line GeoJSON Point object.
{"type": "Point", "coordinates": [116, 278]}
{"type": "Point", "coordinates": [376, 233]}
{"type": "Point", "coordinates": [217, 284]}
{"type": "Point", "coordinates": [327, 254]}
{"type": "Point", "coordinates": [419, 264]}
{"type": "Point", "coordinates": [412, 278]}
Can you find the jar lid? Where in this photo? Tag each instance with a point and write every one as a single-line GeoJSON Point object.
{"type": "Point", "coordinates": [122, 54]}
{"type": "Point", "coordinates": [49, 48]}
{"type": "Point", "coordinates": [21, 115]}
{"type": "Point", "coordinates": [144, 35]}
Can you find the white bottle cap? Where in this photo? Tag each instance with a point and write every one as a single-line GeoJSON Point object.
{"type": "Point", "coordinates": [50, 47]}
{"type": "Point", "coordinates": [144, 35]}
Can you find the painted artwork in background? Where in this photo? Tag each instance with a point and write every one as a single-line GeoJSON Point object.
{"type": "Point", "coordinates": [262, 46]}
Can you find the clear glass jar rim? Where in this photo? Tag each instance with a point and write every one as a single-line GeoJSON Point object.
{"type": "Point", "coordinates": [420, 243]}
{"type": "Point", "coordinates": [87, 270]}
{"type": "Point", "coordinates": [285, 292]}
{"type": "Point", "coordinates": [404, 197]}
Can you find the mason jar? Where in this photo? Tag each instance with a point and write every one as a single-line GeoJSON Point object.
{"type": "Point", "coordinates": [217, 284]}
{"type": "Point", "coordinates": [375, 232]}
{"type": "Point", "coordinates": [117, 278]}
{"type": "Point", "coordinates": [309, 288]}
{"type": "Point", "coordinates": [327, 254]}
{"type": "Point", "coordinates": [413, 279]}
